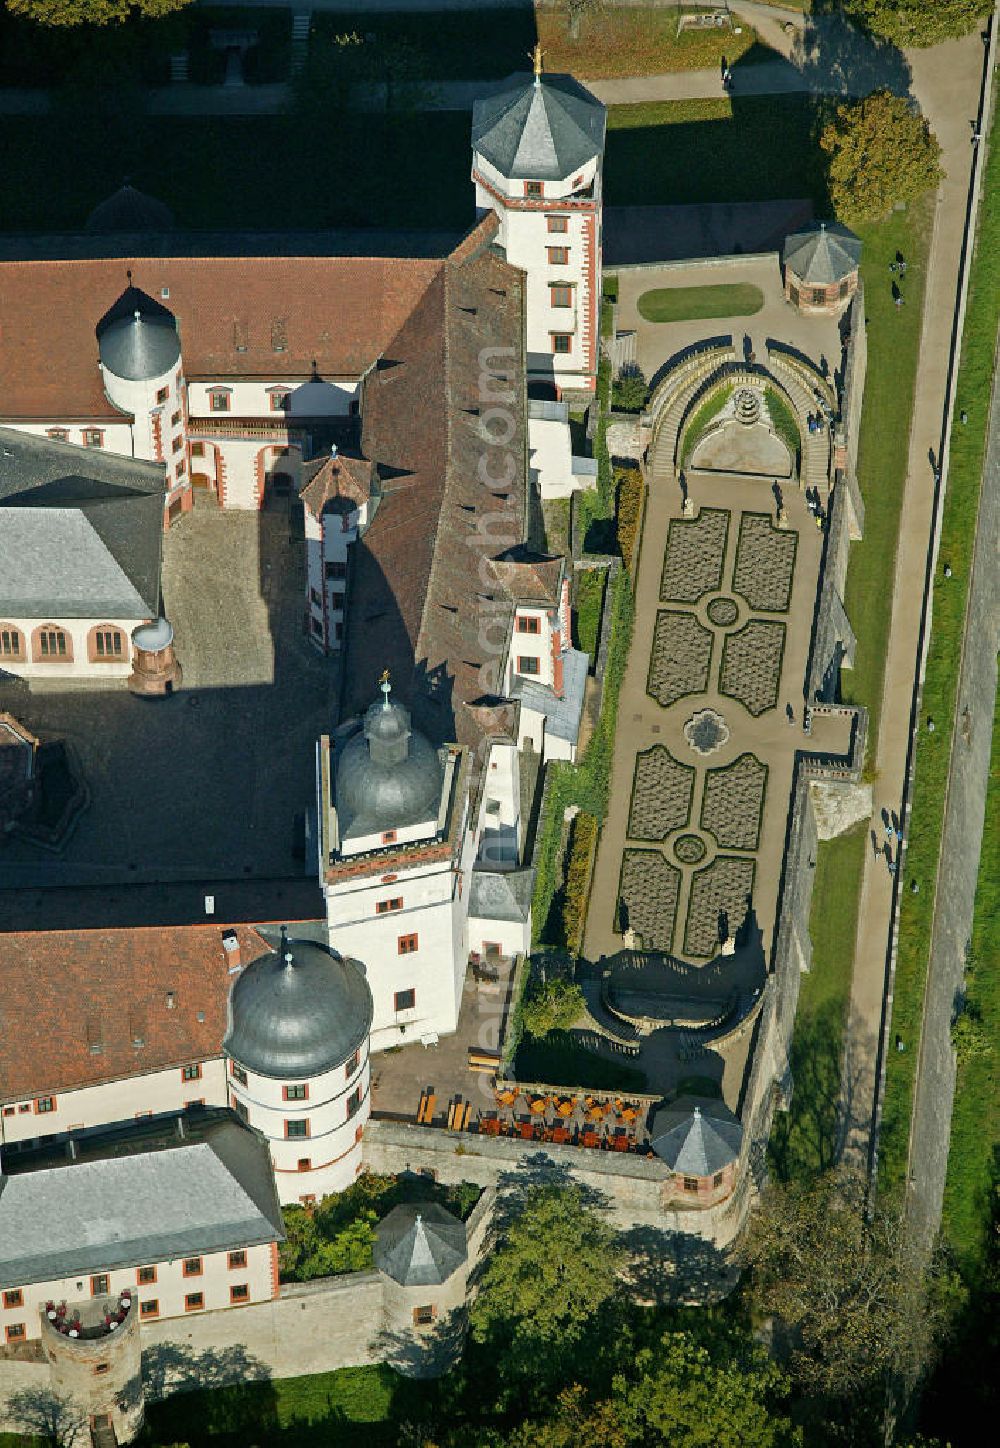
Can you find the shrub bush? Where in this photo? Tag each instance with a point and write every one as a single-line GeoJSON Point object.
{"type": "Point", "coordinates": [630, 491]}
{"type": "Point", "coordinates": [583, 842]}
{"type": "Point", "coordinates": [554, 1006]}
{"type": "Point", "coordinates": [630, 390]}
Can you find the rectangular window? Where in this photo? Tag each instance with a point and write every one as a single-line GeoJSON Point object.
{"type": "Point", "coordinates": [558, 255]}
{"type": "Point", "coordinates": [163, 394]}
{"type": "Point", "coordinates": [191, 1073]}
{"type": "Point", "coordinates": [389, 837]}
{"type": "Point", "coordinates": [562, 342]}
{"type": "Point", "coordinates": [109, 643]}
{"type": "Point", "coordinates": [194, 1301]}
{"type": "Point", "coordinates": [58, 434]}
{"type": "Point", "coordinates": [197, 449]}
{"type": "Point", "coordinates": [240, 1110]}
{"type": "Point", "coordinates": [534, 189]}
{"type": "Point", "coordinates": [280, 401]}
{"type": "Point", "coordinates": [717, 1179]}
{"type": "Point", "coordinates": [15, 1331]}
{"type": "Point", "coordinates": [175, 419]}
{"type": "Point", "coordinates": [528, 665]}
{"type": "Point", "coordinates": [844, 287]}
{"type": "Point", "coordinates": [818, 296]}
{"type": "Point", "coordinates": [529, 625]}
{"type": "Point", "coordinates": [558, 223]}
{"type": "Point", "coordinates": [406, 944]}
{"type": "Point", "coordinates": [14, 1298]}
{"type": "Point", "coordinates": [690, 1184]}
{"type": "Point", "coordinates": [101, 1368]}
{"type": "Point", "coordinates": [561, 295]}
{"type": "Point", "coordinates": [181, 468]}
{"type": "Point", "coordinates": [238, 1074]}
{"type": "Point", "coordinates": [52, 643]}
{"type": "Point", "coordinates": [10, 643]}
{"type": "Point", "coordinates": [197, 1101]}
{"type": "Point", "coordinates": [239, 1292]}
{"type": "Point", "coordinates": [149, 1308]}
{"type": "Point", "coordinates": [45, 1103]}
{"type": "Point", "coordinates": [99, 1284]}
{"type": "Point", "coordinates": [93, 437]}
{"type": "Point", "coordinates": [299, 1128]}
{"type": "Point", "coordinates": [236, 1259]}
{"type": "Point", "coordinates": [25, 1107]}
{"type": "Point", "coordinates": [305, 1163]}
{"type": "Point", "coordinates": [404, 1000]}
{"type": "Point", "coordinates": [383, 907]}
{"type": "Point", "coordinates": [317, 627]}
{"type": "Point", "coordinates": [352, 1065]}
{"type": "Point", "coordinates": [144, 1276]}
{"type": "Point", "coordinates": [314, 595]}
{"type": "Point", "coordinates": [219, 401]}
{"type": "Point", "coordinates": [354, 1103]}
{"type": "Point", "coordinates": [295, 1093]}
{"type": "Point", "coordinates": [192, 1266]}
{"type": "Point", "coordinates": [424, 1316]}
{"type": "Point", "coordinates": [177, 444]}
{"type": "Point", "coordinates": [336, 569]}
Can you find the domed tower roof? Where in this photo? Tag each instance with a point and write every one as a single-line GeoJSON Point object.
{"type": "Point", "coordinates": [419, 1244]}
{"type": "Point", "coordinates": [140, 347]}
{"type": "Point", "coordinates": [298, 1011]}
{"type": "Point", "coordinates": [696, 1139]}
{"type": "Point", "coordinates": [388, 775]}
{"type": "Point", "coordinates": [539, 127]}
{"type": "Point", "coordinates": [130, 210]}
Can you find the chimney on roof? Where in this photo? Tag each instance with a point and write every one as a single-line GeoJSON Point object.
{"type": "Point", "coordinates": [171, 1000]}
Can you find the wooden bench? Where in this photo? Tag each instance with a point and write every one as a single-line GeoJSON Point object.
{"type": "Point", "coordinates": [483, 1060]}
{"type": "Point", "coordinates": [425, 1111]}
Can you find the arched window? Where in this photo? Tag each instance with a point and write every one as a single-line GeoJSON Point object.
{"type": "Point", "coordinates": [107, 644]}
{"type": "Point", "coordinates": [12, 643]}
{"type": "Point", "coordinates": [51, 644]}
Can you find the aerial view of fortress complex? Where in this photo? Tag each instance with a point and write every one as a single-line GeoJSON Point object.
{"type": "Point", "coordinates": [290, 663]}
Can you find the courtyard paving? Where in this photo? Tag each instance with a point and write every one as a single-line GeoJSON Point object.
{"type": "Point", "coordinates": [207, 784]}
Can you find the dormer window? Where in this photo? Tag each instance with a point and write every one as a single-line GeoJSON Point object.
{"type": "Point", "coordinates": [218, 399]}
{"type": "Point", "coordinates": [280, 400]}
{"type": "Point", "coordinates": [534, 190]}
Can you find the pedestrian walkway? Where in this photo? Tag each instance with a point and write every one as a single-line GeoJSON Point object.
{"type": "Point", "coordinates": [946, 82]}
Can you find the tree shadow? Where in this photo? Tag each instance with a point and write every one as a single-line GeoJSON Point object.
{"type": "Point", "coordinates": [674, 1269]}
{"type": "Point", "coordinates": [230, 1390]}
{"type": "Point", "coordinates": [54, 1418]}
{"type": "Point", "coordinates": [845, 58]}
{"type": "Point", "coordinates": [427, 1352]}
{"type": "Point", "coordinates": [827, 1103]}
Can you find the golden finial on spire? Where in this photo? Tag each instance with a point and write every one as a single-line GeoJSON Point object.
{"type": "Point", "coordinates": [386, 687]}
{"type": "Point", "coordinates": [536, 58]}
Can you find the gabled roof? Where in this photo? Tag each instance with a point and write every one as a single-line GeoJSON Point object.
{"type": "Point", "coordinates": [503, 895]}
{"type": "Point", "coordinates": [539, 127]}
{"type": "Point", "coordinates": [420, 1244]}
{"type": "Point", "coordinates": [529, 577]}
{"type": "Point", "coordinates": [81, 530]}
{"type": "Point", "coordinates": [267, 317]}
{"type": "Point", "coordinates": [696, 1137]}
{"type": "Point", "coordinates": [823, 253]}
{"type": "Point", "coordinates": [78, 1007]}
{"type": "Point", "coordinates": [138, 1197]}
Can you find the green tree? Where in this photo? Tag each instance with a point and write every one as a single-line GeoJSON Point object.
{"type": "Point", "coordinates": [556, 1006]}
{"type": "Point", "coordinates": [547, 1286]}
{"type": "Point", "coordinates": [918, 22]}
{"type": "Point", "coordinates": [881, 151]}
{"type": "Point", "coordinates": [91, 12]}
{"type": "Point", "coordinates": [630, 390]}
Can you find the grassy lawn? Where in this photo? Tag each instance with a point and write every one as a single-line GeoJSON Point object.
{"type": "Point", "coordinates": [690, 304]}
{"type": "Point", "coordinates": [893, 344]}
{"type": "Point", "coordinates": [587, 615]}
{"type": "Point", "coordinates": [460, 45]}
{"type": "Point", "coordinates": [703, 417]}
{"type": "Point", "coordinates": [968, 445]}
{"type": "Point", "coordinates": [804, 1140]}
{"type": "Point", "coordinates": [685, 151]}
{"type": "Point", "coordinates": [636, 42]}
{"type": "Point", "coordinates": [975, 1122]}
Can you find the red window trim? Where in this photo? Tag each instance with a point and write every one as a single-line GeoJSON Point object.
{"type": "Point", "coordinates": [47, 1110]}
{"type": "Point", "coordinates": [560, 287]}
{"type": "Point", "coordinates": [141, 1281]}
{"type": "Point", "coordinates": [188, 1271]}
{"type": "Point", "coordinates": [97, 1277]}
{"type": "Point", "coordinates": [16, 1331]}
{"type": "Point", "coordinates": [384, 907]}
{"type": "Point", "coordinates": [150, 1308]}
{"type": "Point", "coordinates": [305, 1092]}
{"type": "Point", "coordinates": [408, 944]}
{"type": "Point", "coordinates": [535, 190]}
{"type": "Point", "coordinates": [529, 624]}
{"type": "Point", "coordinates": [194, 1067]}
{"type": "Point", "coordinates": [302, 1136]}
{"type": "Point", "coordinates": [14, 1297]}
{"type": "Point", "coordinates": [190, 1305]}
{"type": "Point", "coordinates": [239, 1292]}
{"type": "Point", "coordinates": [388, 837]}
{"type": "Point", "coordinates": [558, 255]}
{"type": "Point", "coordinates": [395, 999]}
{"type": "Point", "coordinates": [237, 1259]}
{"type": "Point", "coordinates": [304, 1163]}
{"type": "Point", "coordinates": [562, 336]}
{"type": "Point", "coordinates": [525, 659]}
{"type": "Point", "coordinates": [352, 1065]}
{"type": "Point", "coordinates": [558, 225]}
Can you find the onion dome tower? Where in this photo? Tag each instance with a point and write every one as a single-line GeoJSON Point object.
{"type": "Point", "coordinates": [297, 1045]}
{"type": "Point", "coordinates": [421, 1250]}
{"type": "Point", "coordinates": [389, 779]}
{"type": "Point", "coordinates": [537, 152]}
{"type": "Point", "coordinates": [140, 354]}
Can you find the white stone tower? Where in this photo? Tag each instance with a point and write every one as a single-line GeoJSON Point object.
{"type": "Point", "coordinates": [395, 853]}
{"type": "Point", "coordinates": [537, 152]}
{"type": "Point", "coordinates": [140, 353]}
{"type": "Point", "coordinates": [297, 1050]}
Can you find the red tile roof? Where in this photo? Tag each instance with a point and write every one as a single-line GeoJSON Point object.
{"type": "Point", "coordinates": [64, 991]}
{"type": "Point", "coordinates": [338, 477]}
{"type": "Point", "coordinates": [339, 312]}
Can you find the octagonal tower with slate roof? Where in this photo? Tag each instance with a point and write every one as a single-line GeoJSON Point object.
{"type": "Point", "coordinates": [421, 1251]}
{"type": "Point", "coordinates": [700, 1140]}
{"type": "Point", "coordinates": [821, 267]}
{"type": "Point", "coordinates": [537, 152]}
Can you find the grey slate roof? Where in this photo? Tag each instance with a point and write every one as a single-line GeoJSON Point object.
{"type": "Point", "coordinates": [696, 1137]}
{"type": "Point", "coordinates": [823, 253]}
{"type": "Point", "coordinates": [562, 716]}
{"type": "Point", "coordinates": [298, 1011]}
{"type": "Point", "coordinates": [89, 521]}
{"type": "Point", "coordinates": [539, 128]}
{"type": "Point", "coordinates": [177, 1198]}
{"type": "Point", "coordinates": [504, 895]}
{"type": "Point", "coordinates": [130, 210]}
{"type": "Point", "coordinates": [388, 775]}
{"type": "Point", "coordinates": [140, 347]}
{"type": "Point", "coordinates": [420, 1244]}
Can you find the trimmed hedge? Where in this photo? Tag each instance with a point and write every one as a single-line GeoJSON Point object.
{"type": "Point", "coordinates": [629, 495]}
{"type": "Point", "coordinates": [579, 867]}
